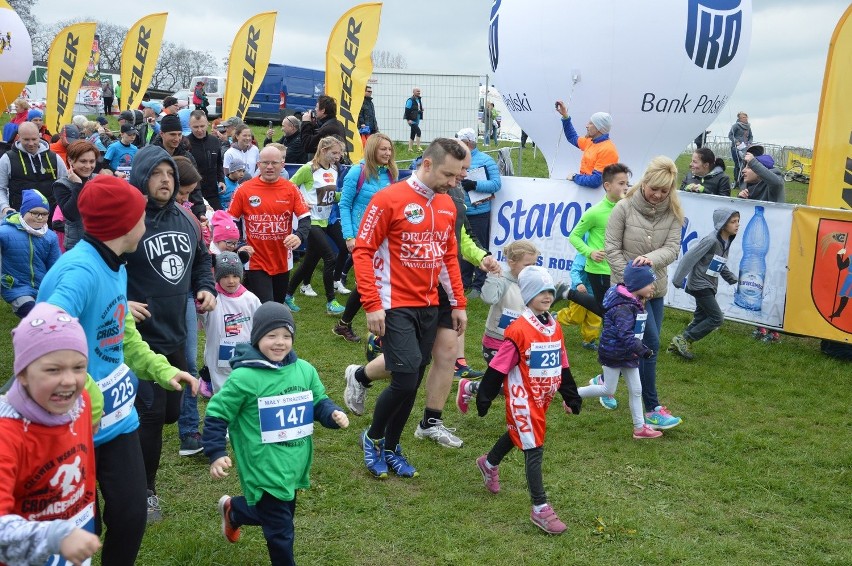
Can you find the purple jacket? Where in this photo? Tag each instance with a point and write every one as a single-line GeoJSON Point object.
{"type": "Point", "coordinates": [620, 344]}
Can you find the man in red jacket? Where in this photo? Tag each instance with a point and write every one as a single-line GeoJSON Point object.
{"type": "Point", "coordinates": [407, 246]}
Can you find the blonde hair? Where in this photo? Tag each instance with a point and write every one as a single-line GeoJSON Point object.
{"type": "Point", "coordinates": [324, 145]}
{"type": "Point", "coordinates": [662, 173]}
{"type": "Point", "coordinates": [518, 249]}
{"type": "Point", "coordinates": [371, 165]}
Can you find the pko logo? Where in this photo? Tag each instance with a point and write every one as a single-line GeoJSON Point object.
{"type": "Point", "coordinates": [713, 29]}
{"type": "Point", "coordinates": [493, 50]}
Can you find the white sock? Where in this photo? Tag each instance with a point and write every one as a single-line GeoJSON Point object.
{"type": "Point", "coordinates": [538, 508]}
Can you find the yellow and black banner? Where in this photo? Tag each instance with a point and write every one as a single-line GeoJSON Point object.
{"type": "Point", "coordinates": [819, 281]}
{"type": "Point", "coordinates": [66, 64]}
{"type": "Point", "coordinates": [831, 175]}
{"type": "Point", "coordinates": [348, 66]}
{"type": "Point", "coordinates": [248, 63]}
{"type": "Point", "coordinates": [139, 58]}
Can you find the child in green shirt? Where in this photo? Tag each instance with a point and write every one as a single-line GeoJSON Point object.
{"type": "Point", "coordinates": [269, 405]}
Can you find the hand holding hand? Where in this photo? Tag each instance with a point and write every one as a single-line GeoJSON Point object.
{"type": "Point", "coordinates": [491, 265]}
{"type": "Point", "coordinates": [206, 300]}
{"type": "Point", "coordinates": [217, 468]}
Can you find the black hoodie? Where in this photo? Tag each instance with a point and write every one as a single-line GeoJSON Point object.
{"type": "Point", "coordinates": [170, 261]}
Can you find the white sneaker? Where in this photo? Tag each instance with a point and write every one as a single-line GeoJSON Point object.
{"type": "Point", "coordinates": [341, 288]}
{"type": "Point", "coordinates": [440, 434]}
{"type": "Point", "coordinates": [354, 394]}
{"type": "Point", "coordinates": [307, 291]}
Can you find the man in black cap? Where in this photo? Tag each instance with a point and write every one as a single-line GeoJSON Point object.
{"type": "Point", "coordinates": [171, 139]}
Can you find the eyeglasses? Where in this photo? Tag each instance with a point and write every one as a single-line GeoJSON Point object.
{"type": "Point", "coordinates": [231, 243]}
{"type": "Point", "coordinates": [268, 163]}
{"type": "Point", "coordinates": [38, 215]}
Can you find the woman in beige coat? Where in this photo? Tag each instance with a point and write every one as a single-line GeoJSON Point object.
{"type": "Point", "coordinates": [645, 229]}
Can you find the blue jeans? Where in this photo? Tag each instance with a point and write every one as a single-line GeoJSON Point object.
{"type": "Point", "coordinates": [275, 517]}
{"type": "Point", "coordinates": [648, 367]}
{"type": "Point", "coordinates": [188, 420]}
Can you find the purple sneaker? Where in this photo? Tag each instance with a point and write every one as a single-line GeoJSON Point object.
{"type": "Point", "coordinates": [491, 476]}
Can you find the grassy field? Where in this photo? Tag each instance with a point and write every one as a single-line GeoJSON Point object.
{"type": "Point", "coordinates": [758, 473]}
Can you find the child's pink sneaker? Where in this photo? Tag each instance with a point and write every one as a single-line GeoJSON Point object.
{"type": "Point", "coordinates": [646, 432]}
{"type": "Point", "coordinates": [491, 476]}
{"type": "Point", "coordinates": [547, 521]}
{"type": "Point", "coordinates": [204, 389]}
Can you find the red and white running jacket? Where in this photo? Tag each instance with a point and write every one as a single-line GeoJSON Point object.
{"type": "Point", "coordinates": [405, 247]}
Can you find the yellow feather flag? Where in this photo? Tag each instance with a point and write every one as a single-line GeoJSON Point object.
{"type": "Point", "coordinates": [66, 64]}
{"type": "Point", "coordinates": [348, 66]}
{"type": "Point", "coordinates": [831, 172]}
{"type": "Point", "coordinates": [139, 58]}
{"type": "Point", "coordinates": [248, 63]}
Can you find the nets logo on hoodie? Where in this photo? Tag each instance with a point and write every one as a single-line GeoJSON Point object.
{"type": "Point", "coordinates": [169, 253]}
{"type": "Point", "coordinates": [713, 30]}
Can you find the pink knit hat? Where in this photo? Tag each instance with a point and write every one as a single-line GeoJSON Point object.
{"type": "Point", "coordinates": [224, 227]}
{"type": "Point", "coordinates": [46, 329]}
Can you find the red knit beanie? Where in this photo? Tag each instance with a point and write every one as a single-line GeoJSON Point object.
{"type": "Point", "coordinates": [110, 207]}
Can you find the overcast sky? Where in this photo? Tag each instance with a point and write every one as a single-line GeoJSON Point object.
{"type": "Point", "coordinates": [780, 87]}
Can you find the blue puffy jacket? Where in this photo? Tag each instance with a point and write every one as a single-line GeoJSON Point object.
{"type": "Point", "coordinates": [619, 347]}
{"type": "Point", "coordinates": [490, 185]}
{"type": "Point", "coordinates": [25, 258]}
{"type": "Point", "coordinates": [352, 205]}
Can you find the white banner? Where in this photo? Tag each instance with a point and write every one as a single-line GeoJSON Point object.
{"type": "Point", "coordinates": [544, 211]}
{"type": "Point", "coordinates": [663, 70]}
{"type": "Point", "coordinates": [779, 220]}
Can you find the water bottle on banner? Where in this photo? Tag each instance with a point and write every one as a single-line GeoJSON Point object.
{"type": "Point", "coordinates": [749, 293]}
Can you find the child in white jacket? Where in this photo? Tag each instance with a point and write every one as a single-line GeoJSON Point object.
{"type": "Point", "coordinates": [230, 322]}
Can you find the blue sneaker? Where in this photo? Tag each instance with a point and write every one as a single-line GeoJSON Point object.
{"type": "Point", "coordinates": [373, 450]}
{"type": "Point", "coordinates": [374, 347]}
{"type": "Point", "coordinates": [334, 308]}
{"type": "Point", "coordinates": [396, 460]}
{"type": "Point", "coordinates": [467, 372]}
{"type": "Point", "coordinates": [608, 401]}
{"type": "Point", "coordinates": [661, 419]}
{"type": "Point", "coordinates": [288, 300]}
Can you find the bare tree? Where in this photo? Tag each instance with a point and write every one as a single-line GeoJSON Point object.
{"type": "Point", "coordinates": [386, 60]}
{"type": "Point", "coordinates": [177, 65]}
{"type": "Point", "coordinates": [24, 10]}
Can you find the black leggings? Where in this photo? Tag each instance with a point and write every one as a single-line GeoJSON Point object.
{"type": "Point", "coordinates": [157, 407]}
{"type": "Point", "coordinates": [415, 131]}
{"type": "Point", "coordinates": [393, 407]}
{"type": "Point", "coordinates": [267, 287]}
{"type": "Point", "coordinates": [319, 246]}
{"type": "Point", "coordinates": [121, 480]}
{"type": "Point", "coordinates": [532, 465]}
{"type": "Point", "coordinates": [600, 285]}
